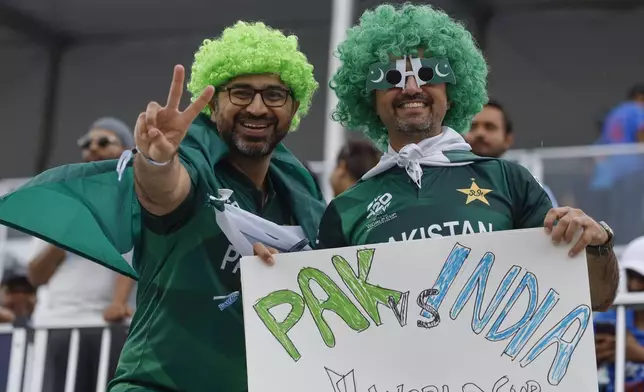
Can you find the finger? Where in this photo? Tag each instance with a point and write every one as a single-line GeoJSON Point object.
{"type": "Point", "coordinates": [151, 115]}
{"type": "Point", "coordinates": [263, 253]}
{"type": "Point", "coordinates": [176, 88]}
{"type": "Point", "coordinates": [160, 149]}
{"type": "Point", "coordinates": [552, 216]}
{"type": "Point", "coordinates": [140, 130]}
{"type": "Point", "coordinates": [199, 104]}
{"type": "Point", "coordinates": [582, 243]}
{"type": "Point", "coordinates": [573, 226]}
{"type": "Point", "coordinates": [560, 229]}
{"type": "Point", "coordinates": [273, 251]}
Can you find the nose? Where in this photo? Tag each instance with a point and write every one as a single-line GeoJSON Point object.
{"type": "Point", "coordinates": [411, 86]}
{"type": "Point", "coordinates": [257, 107]}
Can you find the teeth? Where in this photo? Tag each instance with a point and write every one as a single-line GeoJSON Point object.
{"type": "Point", "coordinates": [254, 126]}
{"type": "Point", "coordinates": [413, 105]}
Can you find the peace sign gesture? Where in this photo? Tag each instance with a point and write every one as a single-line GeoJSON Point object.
{"type": "Point", "coordinates": [159, 130]}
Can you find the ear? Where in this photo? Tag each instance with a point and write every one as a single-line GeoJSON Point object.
{"type": "Point", "coordinates": [509, 140]}
{"type": "Point", "coordinates": [296, 105]}
{"type": "Point", "coordinates": [213, 106]}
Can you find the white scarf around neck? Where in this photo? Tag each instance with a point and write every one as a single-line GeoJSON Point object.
{"type": "Point", "coordinates": [429, 152]}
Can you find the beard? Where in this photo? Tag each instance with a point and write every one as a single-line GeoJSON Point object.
{"type": "Point", "coordinates": [252, 146]}
{"type": "Point", "coordinates": [418, 125]}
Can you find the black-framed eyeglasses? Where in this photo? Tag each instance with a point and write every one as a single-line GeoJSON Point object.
{"type": "Point", "coordinates": [102, 141]}
{"type": "Point", "coordinates": [272, 97]}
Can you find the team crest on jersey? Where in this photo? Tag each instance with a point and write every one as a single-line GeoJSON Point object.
{"type": "Point", "coordinates": [474, 193]}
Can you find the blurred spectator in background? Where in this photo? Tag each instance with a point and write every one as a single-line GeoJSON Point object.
{"type": "Point", "coordinates": [632, 261]}
{"type": "Point", "coordinates": [307, 165]}
{"type": "Point", "coordinates": [81, 291]}
{"type": "Point", "coordinates": [618, 182]}
{"type": "Point", "coordinates": [492, 134]}
{"type": "Point", "coordinates": [356, 158]}
{"type": "Point", "coordinates": [18, 295]}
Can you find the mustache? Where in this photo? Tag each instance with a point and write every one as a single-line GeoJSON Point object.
{"type": "Point", "coordinates": [241, 117]}
{"type": "Point", "coordinates": [412, 97]}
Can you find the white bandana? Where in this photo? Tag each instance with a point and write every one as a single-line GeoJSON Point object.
{"type": "Point", "coordinates": [428, 152]}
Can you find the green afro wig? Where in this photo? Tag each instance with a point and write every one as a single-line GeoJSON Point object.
{"type": "Point", "coordinates": [254, 48]}
{"type": "Point", "coordinates": [388, 30]}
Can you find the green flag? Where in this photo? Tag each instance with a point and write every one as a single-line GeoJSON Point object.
{"type": "Point", "coordinates": [81, 208]}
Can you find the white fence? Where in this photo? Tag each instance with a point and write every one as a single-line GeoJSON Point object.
{"type": "Point", "coordinates": [564, 170]}
{"type": "Point", "coordinates": [28, 356]}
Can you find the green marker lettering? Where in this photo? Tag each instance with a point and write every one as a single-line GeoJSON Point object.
{"type": "Point", "coordinates": [338, 302]}
{"type": "Point", "coordinates": [367, 294]}
{"type": "Point", "coordinates": [280, 329]}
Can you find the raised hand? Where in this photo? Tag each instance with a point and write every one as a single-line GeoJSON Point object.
{"type": "Point", "coordinates": [160, 129]}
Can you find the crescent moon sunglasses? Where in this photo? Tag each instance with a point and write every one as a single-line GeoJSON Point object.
{"type": "Point", "coordinates": [434, 70]}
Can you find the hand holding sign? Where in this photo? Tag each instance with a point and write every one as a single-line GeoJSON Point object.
{"type": "Point", "coordinates": [265, 253]}
{"type": "Point", "coordinates": [569, 221]}
{"type": "Point", "coordinates": [160, 129]}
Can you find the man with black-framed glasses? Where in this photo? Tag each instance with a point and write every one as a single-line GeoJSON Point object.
{"type": "Point", "coordinates": [201, 187]}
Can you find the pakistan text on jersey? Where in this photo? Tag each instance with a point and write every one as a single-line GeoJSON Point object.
{"type": "Point", "coordinates": [445, 229]}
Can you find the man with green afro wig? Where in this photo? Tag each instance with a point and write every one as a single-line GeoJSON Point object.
{"type": "Point", "coordinates": [412, 78]}
{"type": "Point", "coordinates": [202, 188]}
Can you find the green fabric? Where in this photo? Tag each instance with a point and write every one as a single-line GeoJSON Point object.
{"type": "Point", "coordinates": [391, 207]}
{"type": "Point", "coordinates": [81, 208]}
{"type": "Point", "coordinates": [179, 338]}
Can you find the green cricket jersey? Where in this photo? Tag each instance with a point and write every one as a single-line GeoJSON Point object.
{"type": "Point", "coordinates": [484, 196]}
{"type": "Point", "coordinates": [180, 339]}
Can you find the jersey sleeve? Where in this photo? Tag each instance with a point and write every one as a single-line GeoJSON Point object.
{"type": "Point", "coordinates": [330, 232]}
{"type": "Point", "coordinates": [530, 200]}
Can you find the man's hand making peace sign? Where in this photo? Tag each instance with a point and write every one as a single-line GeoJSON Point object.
{"type": "Point", "coordinates": [160, 129]}
{"type": "Point", "coordinates": [161, 181]}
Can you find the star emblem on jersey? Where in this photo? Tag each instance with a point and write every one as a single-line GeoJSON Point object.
{"type": "Point", "coordinates": [475, 193]}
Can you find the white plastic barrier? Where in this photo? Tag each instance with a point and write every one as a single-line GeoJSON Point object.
{"type": "Point", "coordinates": [28, 358]}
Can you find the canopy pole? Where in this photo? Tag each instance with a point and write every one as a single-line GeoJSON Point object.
{"type": "Point", "coordinates": [334, 137]}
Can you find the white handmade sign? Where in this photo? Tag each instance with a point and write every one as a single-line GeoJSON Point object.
{"type": "Point", "coordinates": [490, 312]}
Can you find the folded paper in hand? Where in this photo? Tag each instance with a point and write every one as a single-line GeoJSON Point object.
{"type": "Point", "coordinates": [244, 229]}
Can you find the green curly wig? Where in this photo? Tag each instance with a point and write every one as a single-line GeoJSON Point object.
{"type": "Point", "coordinates": [399, 31]}
{"type": "Point", "coordinates": [254, 48]}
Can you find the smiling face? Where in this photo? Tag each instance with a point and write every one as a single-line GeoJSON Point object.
{"type": "Point", "coordinates": [412, 113]}
{"type": "Point", "coordinates": [253, 113]}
